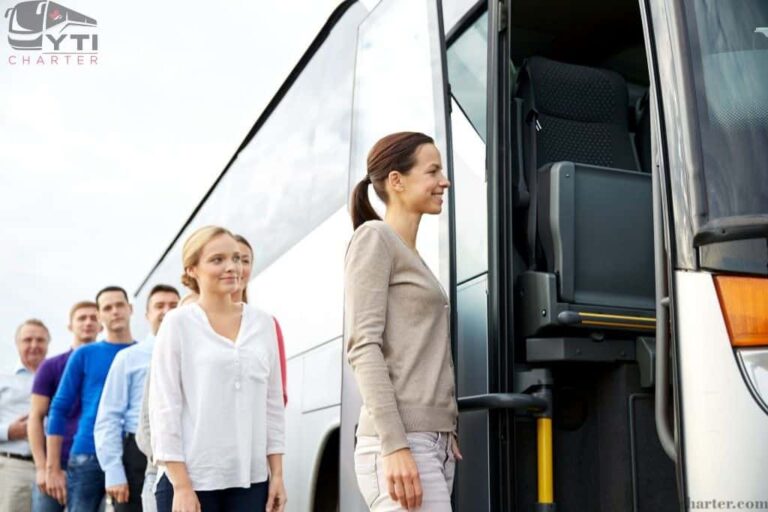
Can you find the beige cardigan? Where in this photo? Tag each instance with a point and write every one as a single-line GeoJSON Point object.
{"type": "Point", "coordinates": [396, 318]}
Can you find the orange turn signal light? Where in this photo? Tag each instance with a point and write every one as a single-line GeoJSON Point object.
{"type": "Point", "coordinates": [744, 301]}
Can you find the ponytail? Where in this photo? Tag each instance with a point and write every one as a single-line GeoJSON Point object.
{"type": "Point", "coordinates": [361, 209]}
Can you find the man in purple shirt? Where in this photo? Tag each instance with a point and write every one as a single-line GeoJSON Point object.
{"type": "Point", "coordinates": [84, 325]}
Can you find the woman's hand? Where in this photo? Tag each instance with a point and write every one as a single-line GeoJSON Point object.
{"type": "Point", "coordinates": [277, 498]}
{"type": "Point", "coordinates": [455, 448]}
{"type": "Point", "coordinates": [403, 480]}
{"type": "Point", "coordinates": [185, 500]}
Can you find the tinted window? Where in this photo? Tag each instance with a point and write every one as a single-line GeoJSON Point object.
{"type": "Point", "coordinates": [729, 60]}
{"type": "Point", "coordinates": [467, 71]}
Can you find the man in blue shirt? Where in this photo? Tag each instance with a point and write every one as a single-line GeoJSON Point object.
{"type": "Point", "coordinates": [82, 488]}
{"type": "Point", "coordinates": [118, 416]}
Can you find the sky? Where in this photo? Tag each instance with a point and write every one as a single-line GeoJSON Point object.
{"type": "Point", "coordinates": [101, 164]}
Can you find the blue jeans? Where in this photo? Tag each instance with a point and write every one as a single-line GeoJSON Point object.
{"type": "Point", "coordinates": [85, 483]}
{"type": "Point", "coordinates": [236, 499]}
{"type": "Point", "coordinates": [42, 502]}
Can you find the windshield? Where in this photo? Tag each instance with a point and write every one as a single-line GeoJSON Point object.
{"type": "Point", "coordinates": [729, 63]}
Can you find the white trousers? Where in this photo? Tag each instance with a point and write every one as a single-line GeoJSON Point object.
{"type": "Point", "coordinates": [433, 453]}
{"type": "Point", "coordinates": [148, 503]}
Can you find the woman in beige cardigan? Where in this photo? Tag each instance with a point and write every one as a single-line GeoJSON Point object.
{"type": "Point", "coordinates": [397, 333]}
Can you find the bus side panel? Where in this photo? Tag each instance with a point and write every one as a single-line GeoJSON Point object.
{"type": "Point", "coordinates": [472, 488]}
{"type": "Point", "coordinates": [724, 430]}
{"type": "Point", "coordinates": [313, 413]}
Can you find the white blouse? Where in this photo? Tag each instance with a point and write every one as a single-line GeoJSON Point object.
{"type": "Point", "coordinates": [216, 405]}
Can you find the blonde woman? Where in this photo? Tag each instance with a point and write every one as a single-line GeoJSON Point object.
{"type": "Point", "coordinates": [215, 394]}
{"type": "Point", "coordinates": [397, 334]}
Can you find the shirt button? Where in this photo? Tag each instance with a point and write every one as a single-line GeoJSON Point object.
{"type": "Point", "coordinates": [237, 385]}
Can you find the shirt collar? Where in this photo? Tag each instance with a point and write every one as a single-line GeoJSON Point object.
{"type": "Point", "coordinates": [21, 369]}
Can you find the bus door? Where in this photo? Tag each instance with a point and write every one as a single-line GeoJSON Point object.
{"type": "Point", "coordinates": [491, 393]}
{"type": "Point", "coordinates": [710, 64]}
{"type": "Point", "coordinates": [398, 86]}
{"type": "Point", "coordinates": [574, 283]}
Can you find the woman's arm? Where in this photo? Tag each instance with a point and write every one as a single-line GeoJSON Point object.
{"type": "Point", "coordinates": [165, 395]}
{"type": "Point", "coordinates": [275, 436]}
{"type": "Point", "coordinates": [367, 273]}
{"type": "Point", "coordinates": [277, 499]}
{"type": "Point", "coordinates": [165, 408]}
{"type": "Point", "coordinates": [184, 496]}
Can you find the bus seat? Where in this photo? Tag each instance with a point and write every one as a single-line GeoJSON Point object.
{"type": "Point", "coordinates": [590, 236]}
{"type": "Point", "coordinates": [578, 113]}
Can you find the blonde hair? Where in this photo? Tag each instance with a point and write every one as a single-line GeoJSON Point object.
{"type": "Point", "coordinates": [193, 248]}
{"type": "Point", "coordinates": [81, 305]}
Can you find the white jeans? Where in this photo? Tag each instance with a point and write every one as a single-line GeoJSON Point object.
{"type": "Point", "coordinates": [148, 503]}
{"type": "Point", "coordinates": [434, 458]}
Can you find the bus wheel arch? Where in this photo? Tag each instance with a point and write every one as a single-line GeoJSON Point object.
{"type": "Point", "coordinates": [325, 488]}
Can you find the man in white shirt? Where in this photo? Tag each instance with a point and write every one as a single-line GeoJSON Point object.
{"type": "Point", "coordinates": [17, 469]}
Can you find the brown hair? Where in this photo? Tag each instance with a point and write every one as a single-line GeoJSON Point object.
{"type": "Point", "coordinates": [35, 322]}
{"type": "Point", "coordinates": [160, 288]}
{"type": "Point", "coordinates": [193, 247]}
{"type": "Point", "coordinates": [395, 152]}
{"type": "Point", "coordinates": [241, 240]}
{"type": "Point", "coordinates": [81, 305]}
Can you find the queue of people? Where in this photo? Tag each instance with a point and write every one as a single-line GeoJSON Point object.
{"type": "Point", "coordinates": [78, 426]}
{"type": "Point", "coordinates": [142, 422]}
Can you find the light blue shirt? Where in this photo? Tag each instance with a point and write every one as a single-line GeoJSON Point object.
{"type": "Point", "coordinates": [119, 408]}
{"type": "Point", "coordinates": [15, 393]}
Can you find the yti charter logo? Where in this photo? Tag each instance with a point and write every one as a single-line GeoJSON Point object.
{"type": "Point", "coordinates": [48, 33]}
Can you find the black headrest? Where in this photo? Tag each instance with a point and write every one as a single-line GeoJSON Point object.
{"type": "Point", "coordinates": [578, 93]}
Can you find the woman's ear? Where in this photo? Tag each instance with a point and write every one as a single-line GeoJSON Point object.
{"type": "Point", "coordinates": [395, 180]}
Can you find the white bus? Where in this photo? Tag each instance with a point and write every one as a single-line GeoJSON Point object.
{"type": "Point", "coordinates": [604, 244]}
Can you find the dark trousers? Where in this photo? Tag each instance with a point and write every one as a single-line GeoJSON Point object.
{"type": "Point", "coordinates": [135, 464]}
{"type": "Point", "coordinates": [235, 499]}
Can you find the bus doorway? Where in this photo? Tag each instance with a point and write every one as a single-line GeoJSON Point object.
{"type": "Point", "coordinates": [570, 312]}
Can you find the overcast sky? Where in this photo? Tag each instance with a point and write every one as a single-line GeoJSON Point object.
{"type": "Point", "coordinates": [101, 164]}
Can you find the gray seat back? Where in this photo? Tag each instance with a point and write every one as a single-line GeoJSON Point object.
{"type": "Point", "coordinates": [596, 227]}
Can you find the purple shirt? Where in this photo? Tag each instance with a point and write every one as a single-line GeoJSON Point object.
{"type": "Point", "coordinates": [46, 383]}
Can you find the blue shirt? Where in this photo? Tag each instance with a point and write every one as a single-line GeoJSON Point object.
{"type": "Point", "coordinates": [120, 407]}
{"type": "Point", "coordinates": [83, 378]}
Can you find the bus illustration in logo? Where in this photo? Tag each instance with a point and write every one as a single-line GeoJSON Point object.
{"type": "Point", "coordinates": [29, 22]}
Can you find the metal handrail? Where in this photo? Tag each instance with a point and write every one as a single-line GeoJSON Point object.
{"type": "Point", "coordinates": [517, 401]}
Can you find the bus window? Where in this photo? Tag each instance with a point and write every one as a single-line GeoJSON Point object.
{"type": "Point", "coordinates": [729, 61]}
{"type": "Point", "coordinates": [467, 76]}
{"type": "Point", "coordinates": [467, 70]}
